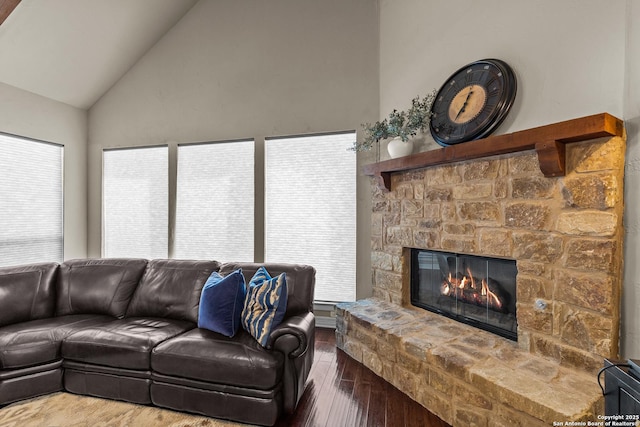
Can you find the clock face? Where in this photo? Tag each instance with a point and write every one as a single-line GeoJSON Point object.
{"type": "Point", "coordinates": [473, 102]}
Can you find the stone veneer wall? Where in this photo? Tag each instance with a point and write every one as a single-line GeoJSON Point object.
{"type": "Point", "coordinates": [565, 234]}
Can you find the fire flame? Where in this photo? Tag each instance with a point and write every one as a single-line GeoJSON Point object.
{"type": "Point", "coordinates": [467, 290]}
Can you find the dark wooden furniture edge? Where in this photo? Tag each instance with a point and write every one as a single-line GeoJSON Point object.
{"type": "Point", "coordinates": [549, 142]}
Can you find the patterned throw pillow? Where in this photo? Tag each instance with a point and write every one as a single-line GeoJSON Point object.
{"type": "Point", "coordinates": [265, 304]}
{"type": "Point", "coordinates": [221, 303]}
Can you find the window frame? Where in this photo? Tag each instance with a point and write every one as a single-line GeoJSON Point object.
{"type": "Point", "coordinates": [259, 166]}
{"type": "Point", "coordinates": [62, 187]}
{"type": "Point", "coordinates": [102, 208]}
{"type": "Point", "coordinates": [354, 195]}
{"type": "Point", "coordinates": [174, 224]}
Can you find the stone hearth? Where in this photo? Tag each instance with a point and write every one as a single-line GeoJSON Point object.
{"type": "Point", "coordinates": [565, 234]}
{"type": "Point", "coordinates": [466, 376]}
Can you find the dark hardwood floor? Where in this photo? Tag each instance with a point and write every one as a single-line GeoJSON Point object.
{"type": "Point", "coordinates": [342, 392]}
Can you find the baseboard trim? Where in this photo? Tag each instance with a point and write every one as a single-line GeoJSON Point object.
{"type": "Point", "coordinates": [325, 322]}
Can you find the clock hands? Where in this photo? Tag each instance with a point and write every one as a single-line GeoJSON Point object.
{"type": "Point", "coordinates": [464, 104]}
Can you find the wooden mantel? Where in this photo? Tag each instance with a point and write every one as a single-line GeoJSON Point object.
{"type": "Point", "coordinates": [549, 142]}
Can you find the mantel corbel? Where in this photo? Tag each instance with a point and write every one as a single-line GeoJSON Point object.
{"type": "Point", "coordinates": [551, 155]}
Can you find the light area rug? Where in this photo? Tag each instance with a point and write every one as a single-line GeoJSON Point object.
{"type": "Point", "coordinates": [70, 410]}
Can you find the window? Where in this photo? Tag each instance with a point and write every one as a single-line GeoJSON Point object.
{"type": "Point", "coordinates": [204, 205]}
{"type": "Point", "coordinates": [215, 201]}
{"type": "Point", "coordinates": [310, 212]}
{"type": "Point", "coordinates": [135, 202]}
{"type": "Point", "coordinates": [31, 212]}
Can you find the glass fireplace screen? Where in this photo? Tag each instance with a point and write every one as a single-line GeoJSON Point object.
{"type": "Point", "coordinates": [476, 290]}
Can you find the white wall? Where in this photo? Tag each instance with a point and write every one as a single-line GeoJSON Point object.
{"type": "Point", "coordinates": [631, 290]}
{"type": "Point", "coordinates": [26, 114]}
{"type": "Point", "coordinates": [568, 55]}
{"type": "Point", "coordinates": [570, 58]}
{"type": "Point", "coordinates": [247, 69]}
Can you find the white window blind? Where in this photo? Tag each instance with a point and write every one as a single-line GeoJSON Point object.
{"type": "Point", "coordinates": [31, 207]}
{"type": "Point", "coordinates": [310, 212]}
{"type": "Point", "coordinates": [135, 202]}
{"type": "Point", "coordinates": [215, 201]}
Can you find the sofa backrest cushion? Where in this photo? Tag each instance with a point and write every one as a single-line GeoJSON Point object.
{"type": "Point", "coordinates": [27, 292]}
{"type": "Point", "coordinates": [98, 286]}
{"type": "Point", "coordinates": [171, 288]}
{"type": "Point", "coordinates": [301, 281]}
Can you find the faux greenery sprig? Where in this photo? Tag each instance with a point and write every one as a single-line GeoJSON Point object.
{"type": "Point", "coordinates": [403, 124]}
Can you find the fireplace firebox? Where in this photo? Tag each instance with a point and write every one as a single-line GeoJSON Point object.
{"type": "Point", "coordinates": [479, 291]}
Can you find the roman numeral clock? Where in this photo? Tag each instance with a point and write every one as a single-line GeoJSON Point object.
{"type": "Point", "coordinates": [473, 102]}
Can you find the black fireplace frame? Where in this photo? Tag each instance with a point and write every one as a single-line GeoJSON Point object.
{"type": "Point", "coordinates": [415, 301]}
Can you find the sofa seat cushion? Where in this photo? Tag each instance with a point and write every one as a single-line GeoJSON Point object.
{"type": "Point", "coordinates": [207, 356]}
{"type": "Point", "coordinates": [39, 341]}
{"type": "Point", "coordinates": [122, 343]}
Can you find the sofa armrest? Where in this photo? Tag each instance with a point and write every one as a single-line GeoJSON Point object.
{"type": "Point", "coordinates": [295, 339]}
{"type": "Point", "coordinates": [292, 336]}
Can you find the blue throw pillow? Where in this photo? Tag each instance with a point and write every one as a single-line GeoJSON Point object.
{"type": "Point", "coordinates": [221, 303]}
{"type": "Point", "coordinates": [265, 305]}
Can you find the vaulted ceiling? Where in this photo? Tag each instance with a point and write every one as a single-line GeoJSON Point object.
{"type": "Point", "coordinates": [73, 51]}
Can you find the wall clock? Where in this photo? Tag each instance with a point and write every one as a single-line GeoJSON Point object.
{"type": "Point", "coordinates": [473, 102]}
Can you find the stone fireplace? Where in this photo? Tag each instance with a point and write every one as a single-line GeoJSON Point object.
{"type": "Point", "coordinates": [564, 234]}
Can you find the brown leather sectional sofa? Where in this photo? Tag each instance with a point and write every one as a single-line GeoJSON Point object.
{"type": "Point", "coordinates": [126, 329]}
